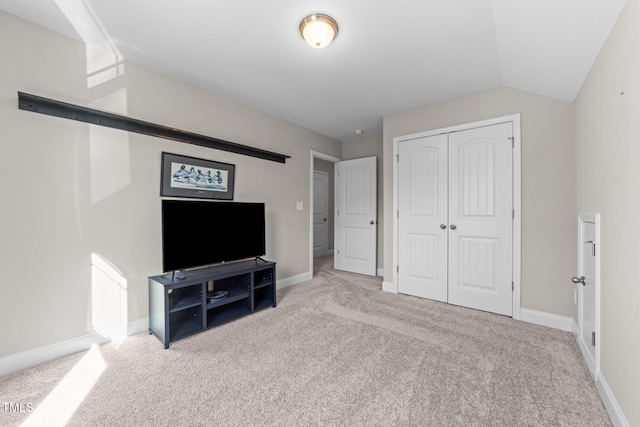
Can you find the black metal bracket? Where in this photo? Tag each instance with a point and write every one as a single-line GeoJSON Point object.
{"type": "Point", "coordinates": [51, 107]}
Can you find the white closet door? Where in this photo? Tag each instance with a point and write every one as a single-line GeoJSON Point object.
{"type": "Point", "coordinates": [480, 218]}
{"type": "Point", "coordinates": [422, 240]}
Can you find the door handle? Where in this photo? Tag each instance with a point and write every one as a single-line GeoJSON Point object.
{"type": "Point", "coordinates": [578, 280]}
{"type": "Point", "coordinates": [372, 222]}
{"type": "Point", "coordinates": [443, 226]}
{"type": "Point", "coordinates": [453, 226]}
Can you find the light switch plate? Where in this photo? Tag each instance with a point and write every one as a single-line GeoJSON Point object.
{"type": "Point", "coordinates": [299, 206]}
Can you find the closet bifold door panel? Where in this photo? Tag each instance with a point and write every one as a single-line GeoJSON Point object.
{"type": "Point", "coordinates": [422, 207]}
{"type": "Point", "coordinates": [455, 223]}
{"type": "Point", "coordinates": [480, 218]}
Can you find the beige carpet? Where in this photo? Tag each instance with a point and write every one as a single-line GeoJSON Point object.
{"type": "Point", "coordinates": [336, 351]}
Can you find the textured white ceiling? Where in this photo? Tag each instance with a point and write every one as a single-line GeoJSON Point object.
{"type": "Point", "coordinates": [388, 56]}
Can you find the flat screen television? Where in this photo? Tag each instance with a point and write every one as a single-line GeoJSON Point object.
{"type": "Point", "coordinates": [199, 233]}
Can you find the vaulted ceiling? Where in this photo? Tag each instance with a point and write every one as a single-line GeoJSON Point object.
{"type": "Point", "coordinates": [389, 56]}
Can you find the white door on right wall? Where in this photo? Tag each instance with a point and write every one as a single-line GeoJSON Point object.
{"type": "Point", "coordinates": [588, 290]}
{"type": "Point", "coordinates": [587, 310]}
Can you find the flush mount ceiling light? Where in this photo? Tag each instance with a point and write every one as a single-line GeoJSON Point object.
{"type": "Point", "coordinates": [318, 30]}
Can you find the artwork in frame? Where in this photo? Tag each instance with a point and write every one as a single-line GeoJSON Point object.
{"type": "Point", "coordinates": [184, 176]}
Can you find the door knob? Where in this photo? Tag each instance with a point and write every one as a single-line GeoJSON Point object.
{"type": "Point", "coordinates": [371, 222]}
{"type": "Point", "coordinates": [443, 226]}
{"type": "Point", "coordinates": [453, 226]}
{"type": "Point", "coordinates": [578, 280]}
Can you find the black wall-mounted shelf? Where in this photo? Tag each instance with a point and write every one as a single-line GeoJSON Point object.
{"type": "Point", "coordinates": [51, 107]}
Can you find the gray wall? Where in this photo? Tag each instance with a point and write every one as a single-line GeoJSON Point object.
{"type": "Point", "coordinates": [607, 115]}
{"type": "Point", "coordinates": [72, 190]}
{"type": "Point", "coordinates": [548, 223]}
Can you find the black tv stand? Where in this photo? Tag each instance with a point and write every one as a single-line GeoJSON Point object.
{"type": "Point", "coordinates": [209, 297]}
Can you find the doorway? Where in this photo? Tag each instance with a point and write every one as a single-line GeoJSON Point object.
{"type": "Point", "coordinates": [321, 223]}
{"type": "Point", "coordinates": [325, 164]}
{"type": "Point", "coordinates": [354, 242]}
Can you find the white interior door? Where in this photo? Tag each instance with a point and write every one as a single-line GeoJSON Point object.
{"type": "Point", "coordinates": [481, 218]}
{"type": "Point", "coordinates": [356, 216]}
{"type": "Point", "coordinates": [320, 213]}
{"type": "Point", "coordinates": [588, 259]}
{"type": "Point", "coordinates": [422, 213]}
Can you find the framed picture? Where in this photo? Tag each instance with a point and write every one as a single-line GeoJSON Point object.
{"type": "Point", "coordinates": [184, 176]}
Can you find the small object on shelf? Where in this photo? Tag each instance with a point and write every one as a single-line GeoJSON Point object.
{"type": "Point", "coordinates": [219, 295]}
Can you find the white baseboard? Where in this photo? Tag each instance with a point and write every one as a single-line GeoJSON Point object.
{"type": "Point", "coordinates": [550, 320]}
{"type": "Point", "coordinates": [138, 326]}
{"type": "Point", "coordinates": [120, 332]}
{"type": "Point", "coordinates": [293, 280]}
{"type": "Point", "coordinates": [380, 272]}
{"type": "Point", "coordinates": [37, 356]}
{"type": "Point", "coordinates": [606, 395]}
{"type": "Point", "coordinates": [389, 287]}
{"type": "Point", "coordinates": [30, 358]}
{"type": "Point", "coordinates": [610, 403]}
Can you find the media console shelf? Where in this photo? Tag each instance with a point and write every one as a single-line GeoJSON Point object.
{"type": "Point", "coordinates": [179, 308]}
